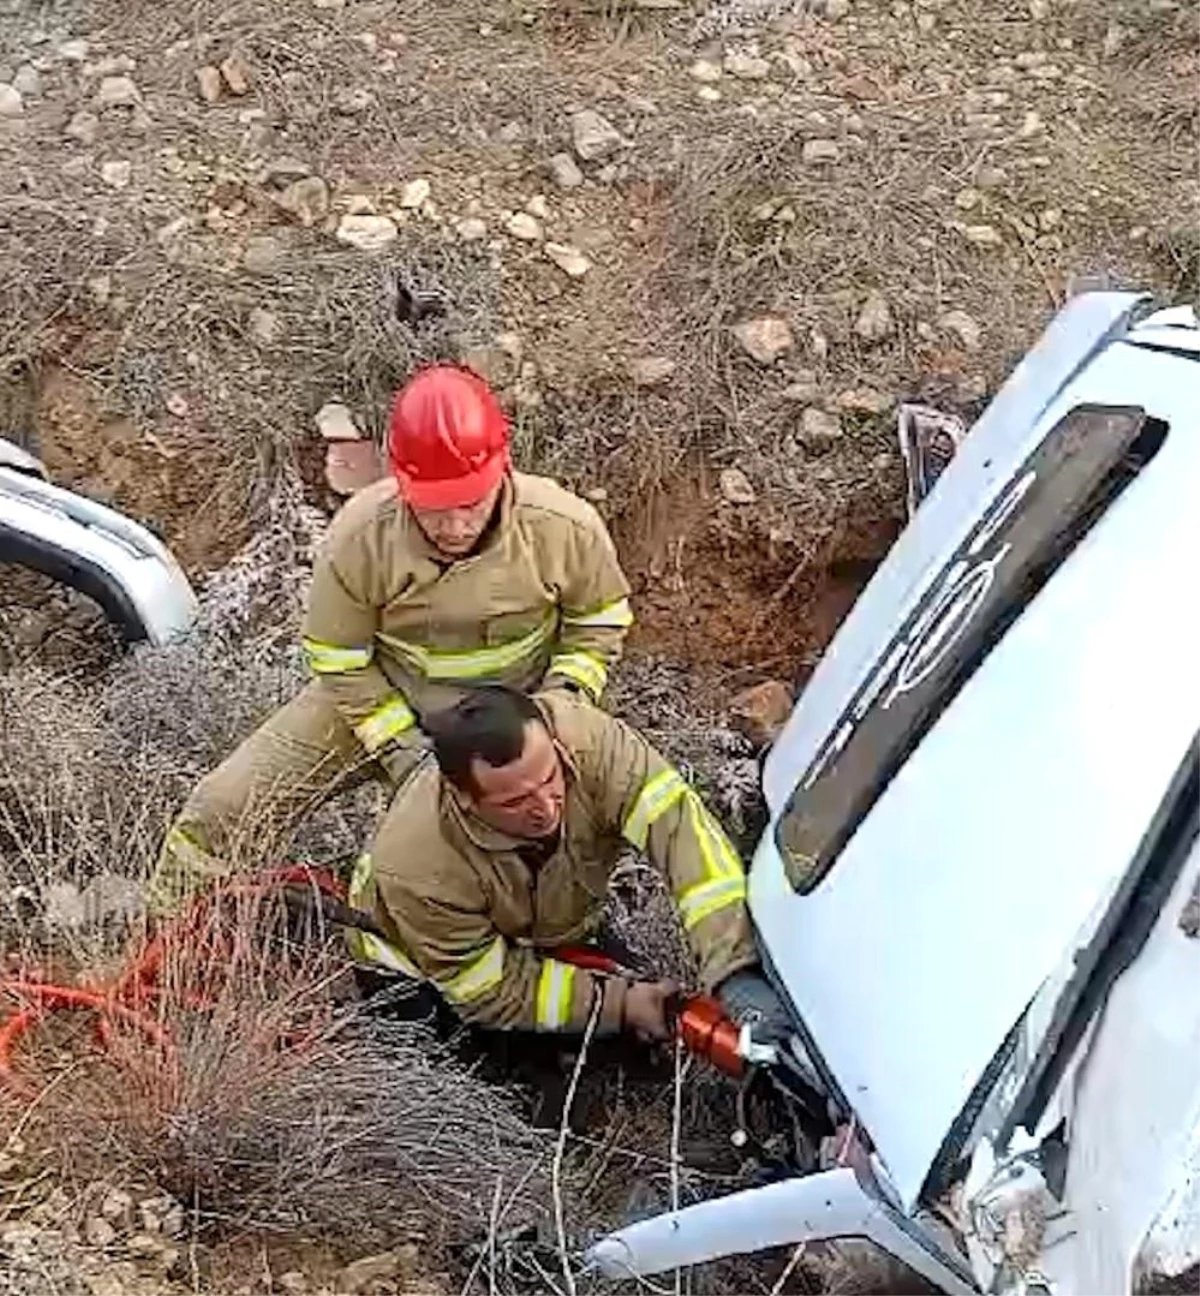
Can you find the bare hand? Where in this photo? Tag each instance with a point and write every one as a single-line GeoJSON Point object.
{"type": "Point", "coordinates": [645, 1009]}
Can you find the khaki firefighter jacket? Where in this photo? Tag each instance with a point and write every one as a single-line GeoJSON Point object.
{"type": "Point", "coordinates": [393, 630]}
{"type": "Point", "coordinates": [455, 903]}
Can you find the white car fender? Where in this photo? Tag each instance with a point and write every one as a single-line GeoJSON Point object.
{"type": "Point", "coordinates": [95, 549]}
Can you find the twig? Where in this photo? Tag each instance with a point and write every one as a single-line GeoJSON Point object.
{"type": "Point", "coordinates": [676, 1126]}
{"type": "Point", "coordinates": [563, 1131]}
{"type": "Point", "coordinates": [789, 1268]}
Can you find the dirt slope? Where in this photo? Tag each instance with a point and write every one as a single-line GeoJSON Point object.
{"type": "Point", "coordinates": [908, 190]}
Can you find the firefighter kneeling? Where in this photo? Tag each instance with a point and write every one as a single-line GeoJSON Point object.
{"type": "Point", "coordinates": [501, 851]}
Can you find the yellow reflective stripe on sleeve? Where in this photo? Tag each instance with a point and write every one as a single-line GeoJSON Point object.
{"type": "Point", "coordinates": [183, 847]}
{"type": "Point", "coordinates": [366, 947]}
{"type": "Point", "coordinates": [697, 902]}
{"type": "Point", "coordinates": [478, 977]}
{"type": "Point", "coordinates": [555, 994]}
{"type": "Point", "coordinates": [332, 659]}
{"type": "Point", "coordinates": [362, 882]}
{"type": "Point", "coordinates": [612, 616]}
{"type": "Point", "coordinates": [720, 859]}
{"type": "Point", "coordinates": [584, 668]}
{"type": "Point", "coordinates": [389, 720]}
{"type": "Point", "coordinates": [657, 796]}
{"type": "Point", "coordinates": [474, 663]}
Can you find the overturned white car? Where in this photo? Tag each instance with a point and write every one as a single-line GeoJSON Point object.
{"type": "Point", "coordinates": [979, 888]}
{"type": "Point", "coordinates": [115, 561]}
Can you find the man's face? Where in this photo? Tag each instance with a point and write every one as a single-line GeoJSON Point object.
{"type": "Point", "coordinates": [456, 531]}
{"type": "Point", "coordinates": [525, 798]}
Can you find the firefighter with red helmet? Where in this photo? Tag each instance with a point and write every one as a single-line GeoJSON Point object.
{"type": "Point", "coordinates": [452, 571]}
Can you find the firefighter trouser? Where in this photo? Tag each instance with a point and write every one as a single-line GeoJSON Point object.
{"type": "Point", "coordinates": [250, 805]}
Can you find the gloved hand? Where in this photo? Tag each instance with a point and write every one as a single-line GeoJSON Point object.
{"type": "Point", "coordinates": [750, 999]}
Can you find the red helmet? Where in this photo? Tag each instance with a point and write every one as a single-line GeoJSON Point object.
{"type": "Point", "coordinates": [448, 438]}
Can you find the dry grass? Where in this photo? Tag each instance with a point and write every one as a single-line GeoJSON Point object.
{"type": "Point", "coordinates": [243, 1132]}
{"type": "Point", "coordinates": [476, 97]}
{"type": "Point", "coordinates": [268, 1104]}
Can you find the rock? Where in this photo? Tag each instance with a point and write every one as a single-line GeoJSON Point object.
{"type": "Point", "coordinates": [706, 71]}
{"type": "Point", "coordinates": [118, 92]}
{"type": "Point", "coordinates": [593, 136]}
{"type": "Point", "coordinates": [28, 81]}
{"type": "Point", "coordinates": [84, 126]}
{"type": "Point", "coordinates": [511, 344]}
{"type": "Point", "coordinates": [163, 1215]}
{"type": "Point", "coordinates": [1114, 39]}
{"type": "Point", "coordinates": [155, 1251]}
{"type": "Point", "coordinates": [415, 194]}
{"type": "Point", "coordinates": [764, 338]}
{"type": "Point", "coordinates": [99, 1232]}
{"type": "Point", "coordinates": [471, 229]}
{"type": "Point", "coordinates": [818, 344]}
{"type": "Point", "coordinates": [565, 171]}
{"type": "Point", "coordinates": [120, 1279]}
{"type": "Point", "coordinates": [651, 371]}
{"type": "Point", "coordinates": [982, 235]}
{"type": "Point", "coordinates": [11, 103]}
{"type": "Point", "coordinates": [836, 10]}
{"type": "Point", "coordinates": [963, 327]}
{"type": "Point", "coordinates": [208, 82]}
{"type": "Point", "coordinates": [62, 904]}
{"type": "Point", "coordinates": [117, 1207]}
{"type": "Point", "coordinates": [177, 404]}
{"type": "Point", "coordinates": [388, 1266]}
{"type": "Point", "coordinates": [1039, 10]}
{"type": "Point", "coordinates": [710, 94]}
{"type": "Point", "coordinates": [523, 226]}
{"type": "Point", "coordinates": [283, 170]}
{"type": "Point", "coordinates": [307, 200]}
{"type": "Point", "coordinates": [237, 74]}
{"type": "Point", "coordinates": [820, 152]}
{"type": "Point", "coordinates": [336, 423]}
{"type": "Point", "coordinates": [351, 465]}
{"type": "Point", "coordinates": [117, 175]}
{"type": "Point", "coordinates": [863, 400]}
{"type": "Point", "coordinates": [874, 322]}
{"type": "Point", "coordinates": [761, 712]}
{"type": "Point", "coordinates": [803, 388]}
{"type": "Point", "coordinates": [735, 486]}
{"type": "Point", "coordinates": [367, 233]}
{"type": "Point", "coordinates": [538, 206]}
{"type": "Point", "coordinates": [263, 254]}
{"type": "Point", "coordinates": [492, 364]}
{"type": "Point", "coordinates": [350, 101]}
{"type": "Point", "coordinates": [266, 328]}
{"type": "Point", "coordinates": [819, 428]}
{"type": "Point", "coordinates": [967, 199]}
{"type": "Point", "coordinates": [569, 259]}
{"type": "Point", "coordinates": [294, 1283]}
{"type": "Point", "coordinates": [747, 67]}
{"type": "Point", "coordinates": [74, 51]}
{"type": "Point", "coordinates": [1032, 125]}
{"type": "Point", "coordinates": [112, 897]}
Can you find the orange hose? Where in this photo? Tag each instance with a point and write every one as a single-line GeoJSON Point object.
{"type": "Point", "coordinates": [123, 999]}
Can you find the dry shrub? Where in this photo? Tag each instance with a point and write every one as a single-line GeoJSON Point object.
{"type": "Point", "coordinates": [253, 1088]}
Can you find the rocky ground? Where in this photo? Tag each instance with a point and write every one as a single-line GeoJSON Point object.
{"type": "Point", "coordinates": [703, 247]}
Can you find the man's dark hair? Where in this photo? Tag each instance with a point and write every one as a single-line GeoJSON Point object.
{"type": "Point", "coordinates": [487, 725]}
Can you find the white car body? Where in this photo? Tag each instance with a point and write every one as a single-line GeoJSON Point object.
{"type": "Point", "coordinates": [998, 942]}
{"type": "Point", "coordinates": [114, 560]}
